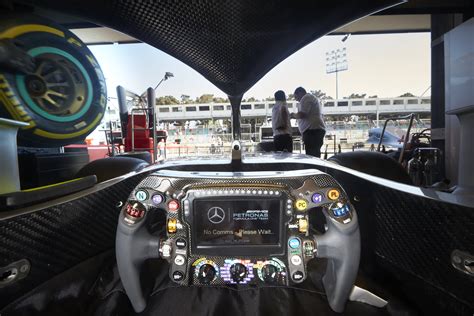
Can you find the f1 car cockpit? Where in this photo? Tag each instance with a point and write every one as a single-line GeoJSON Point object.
{"type": "Point", "coordinates": [239, 228]}
{"type": "Point", "coordinates": [268, 233]}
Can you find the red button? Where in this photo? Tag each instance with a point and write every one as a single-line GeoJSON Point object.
{"type": "Point", "coordinates": [135, 210]}
{"type": "Point", "coordinates": [173, 205]}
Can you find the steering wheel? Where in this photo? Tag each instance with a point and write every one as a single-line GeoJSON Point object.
{"type": "Point", "coordinates": [340, 243]}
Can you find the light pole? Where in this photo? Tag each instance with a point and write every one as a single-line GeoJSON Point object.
{"type": "Point", "coordinates": [336, 61]}
{"type": "Point", "coordinates": [151, 110]}
{"type": "Point", "coordinates": [166, 77]}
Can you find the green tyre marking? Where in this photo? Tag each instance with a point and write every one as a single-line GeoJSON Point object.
{"type": "Point", "coordinates": [20, 81]}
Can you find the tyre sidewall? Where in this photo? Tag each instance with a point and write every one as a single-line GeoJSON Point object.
{"type": "Point", "coordinates": [43, 131]}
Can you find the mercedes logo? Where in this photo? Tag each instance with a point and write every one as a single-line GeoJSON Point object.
{"type": "Point", "coordinates": [216, 215]}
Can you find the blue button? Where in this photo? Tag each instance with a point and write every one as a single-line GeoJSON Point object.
{"type": "Point", "coordinates": [317, 198]}
{"type": "Point", "coordinates": [342, 211]}
{"type": "Point", "coordinates": [294, 243]}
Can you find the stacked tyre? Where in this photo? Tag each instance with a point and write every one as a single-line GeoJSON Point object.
{"type": "Point", "coordinates": [64, 98]}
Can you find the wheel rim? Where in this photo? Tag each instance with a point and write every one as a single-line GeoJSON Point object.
{"type": "Point", "coordinates": [56, 86]}
{"type": "Point", "coordinates": [59, 88]}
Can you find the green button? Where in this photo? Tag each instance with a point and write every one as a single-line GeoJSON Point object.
{"type": "Point", "coordinates": [141, 195]}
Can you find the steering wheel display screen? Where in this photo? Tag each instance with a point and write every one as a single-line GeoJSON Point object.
{"type": "Point", "coordinates": [237, 222]}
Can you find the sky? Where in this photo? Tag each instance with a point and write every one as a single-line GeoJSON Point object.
{"type": "Point", "coordinates": [387, 65]}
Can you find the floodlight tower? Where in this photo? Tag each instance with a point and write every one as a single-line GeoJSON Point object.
{"type": "Point", "coordinates": [336, 60]}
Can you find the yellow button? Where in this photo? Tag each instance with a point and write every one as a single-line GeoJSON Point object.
{"type": "Point", "coordinates": [333, 194]}
{"type": "Point", "coordinates": [172, 223]}
{"type": "Point", "coordinates": [303, 225]}
{"type": "Point", "coordinates": [301, 205]}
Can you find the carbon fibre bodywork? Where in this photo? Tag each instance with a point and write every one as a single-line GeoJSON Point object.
{"type": "Point", "coordinates": [407, 236]}
{"type": "Point", "coordinates": [231, 43]}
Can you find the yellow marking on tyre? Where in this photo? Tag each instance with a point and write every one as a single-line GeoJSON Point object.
{"type": "Point", "coordinates": [80, 125]}
{"type": "Point", "coordinates": [102, 100]}
{"type": "Point", "coordinates": [7, 100]}
{"type": "Point", "coordinates": [16, 111]}
{"type": "Point", "coordinates": [27, 28]}
{"type": "Point", "coordinates": [50, 135]}
{"type": "Point", "coordinates": [22, 112]}
{"type": "Point", "coordinates": [92, 60]}
{"type": "Point", "coordinates": [74, 41]}
{"type": "Point", "coordinates": [13, 105]}
{"type": "Point", "coordinates": [32, 124]}
{"type": "Point", "coordinates": [9, 107]}
{"type": "Point", "coordinates": [14, 101]}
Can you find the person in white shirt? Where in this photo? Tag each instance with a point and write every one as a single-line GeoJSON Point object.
{"type": "Point", "coordinates": [310, 121]}
{"type": "Point", "coordinates": [281, 124]}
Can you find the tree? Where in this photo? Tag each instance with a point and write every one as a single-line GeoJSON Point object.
{"type": "Point", "coordinates": [407, 95]}
{"type": "Point", "coordinates": [320, 95]}
{"type": "Point", "coordinates": [220, 100]}
{"type": "Point", "coordinates": [165, 100]}
{"type": "Point", "coordinates": [205, 98]}
{"type": "Point", "coordinates": [186, 99]}
{"type": "Point", "coordinates": [373, 97]}
{"type": "Point", "coordinates": [270, 99]}
{"type": "Point", "coordinates": [356, 96]}
{"type": "Point", "coordinates": [251, 99]}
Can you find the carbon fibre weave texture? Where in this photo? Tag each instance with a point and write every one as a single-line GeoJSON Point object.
{"type": "Point", "coordinates": [415, 238]}
{"type": "Point", "coordinates": [407, 241]}
{"type": "Point", "coordinates": [322, 181]}
{"type": "Point", "coordinates": [59, 237]}
{"type": "Point", "coordinates": [411, 239]}
{"type": "Point", "coordinates": [231, 43]}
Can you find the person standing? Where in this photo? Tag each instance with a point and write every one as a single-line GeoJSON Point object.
{"type": "Point", "coordinates": [161, 147]}
{"type": "Point", "coordinates": [310, 121]}
{"type": "Point", "coordinates": [281, 124]}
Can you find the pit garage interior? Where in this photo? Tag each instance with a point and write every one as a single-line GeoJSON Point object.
{"type": "Point", "coordinates": [437, 17]}
{"type": "Point", "coordinates": [80, 262]}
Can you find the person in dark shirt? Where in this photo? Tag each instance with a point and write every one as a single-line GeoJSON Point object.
{"type": "Point", "coordinates": [281, 124]}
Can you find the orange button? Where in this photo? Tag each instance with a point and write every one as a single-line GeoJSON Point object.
{"type": "Point", "coordinates": [172, 225]}
{"type": "Point", "coordinates": [333, 194]}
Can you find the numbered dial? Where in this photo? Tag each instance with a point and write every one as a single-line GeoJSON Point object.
{"type": "Point", "coordinates": [206, 274]}
{"type": "Point", "coordinates": [206, 270]}
{"type": "Point", "coordinates": [272, 271]}
{"type": "Point", "coordinates": [238, 272]}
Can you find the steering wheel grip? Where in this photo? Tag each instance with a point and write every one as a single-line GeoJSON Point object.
{"type": "Point", "coordinates": [341, 246]}
{"type": "Point", "coordinates": [133, 246]}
